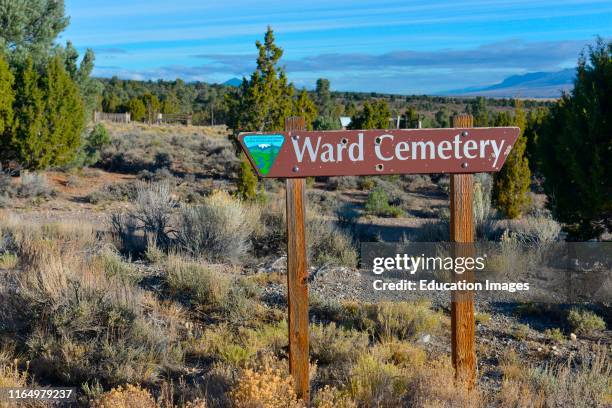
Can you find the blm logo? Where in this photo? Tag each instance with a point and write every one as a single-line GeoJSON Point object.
{"type": "Point", "coordinates": [264, 150]}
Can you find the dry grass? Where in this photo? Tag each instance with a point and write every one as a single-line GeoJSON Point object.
{"type": "Point", "coordinates": [268, 386]}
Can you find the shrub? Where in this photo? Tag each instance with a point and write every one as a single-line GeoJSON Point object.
{"type": "Point", "coordinates": [153, 208]}
{"type": "Point", "coordinates": [584, 321]}
{"type": "Point", "coordinates": [114, 192]}
{"type": "Point", "coordinates": [93, 144]}
{"type": "Point", "coordinates": [391, 320]}
{"type": "Point", "coordinates": [405, 320]}
{"type": "Point", "coordinates": [365, 183]}
{"type": "Point", "coordinates": [536, 231]}
{"type": "Point", "coordinates": [247, 181]}
{"type": "Point", "coordinates": [342, 183]}
{"type": "Point", "coordinates": [330, 344]}
{"type": "Point", "coordinates": [331, 397]}
{"type": "Point", "coordinates": [198, 281]}
{"type": "Point", "coordinates": [432, 231]}
{"type": "Point", "coordinates": [268, 387]}
{"type": "Point", "coordinates": [378, 204]}
{"type": "Point", "coordinates": [376, 383]}
{"type": "Point", "coordinates": [85, 319]}
{"type": "Point", "coordinates": [581, 382]}
{"type": "Point", "coordinates": [554, 334]}
{"type": "Point", "coordinates": [129, 396]}
{"type": "Point", "coordinates": [329, 246]}
{"type": "Point", "coordinates": [217, 230]}
{"type": "Point", "coordinates": [33, 185]}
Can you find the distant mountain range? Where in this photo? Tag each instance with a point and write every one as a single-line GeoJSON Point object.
{"type": "Point", "coordinates": [233, 82]}
{"type": "Point", "coordinates": [531, 85]}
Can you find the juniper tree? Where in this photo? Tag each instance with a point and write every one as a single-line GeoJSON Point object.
{"type": "Point", "coordinates": [305, 107]}
{"type": "Point", "coordinates": [26, 143]}
{"type": "Point", "coordinates": [7, 98]}
{"type": "Point", "coordinates": [575, 147]}
{"type": "Point", "coordinates": [63, 116]}
{"type": "Point", "coordinates": [152, 107]}
{"type": "Point", "coordinates": [263, 101]}
{"type": "Point", "coordinates": [374, 115]}
{"type": "Point", "coordinates": [137, 109]}
{"type": "Point", "coordinates": [511, 183]}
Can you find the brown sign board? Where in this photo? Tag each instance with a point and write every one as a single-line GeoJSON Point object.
{"type": "Point", "coordinates": [377, 152]}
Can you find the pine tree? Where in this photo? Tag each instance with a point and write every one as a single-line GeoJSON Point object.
{"type": "Point", "coordinates": [7, 97]}
{"type": "Point", "coordinates": [28, 28]}
{"type": "Point", "coordinates": [305, 107]}
{"type": "Point", "coordinates": [511, 183]}
{"type": "Point", "coordinates": [574, 148]}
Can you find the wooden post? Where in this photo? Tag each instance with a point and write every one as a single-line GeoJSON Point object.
{"type": "Point", "coordinates": [462, 306]}
{"type": "Point", "coordinates": [297, 277]}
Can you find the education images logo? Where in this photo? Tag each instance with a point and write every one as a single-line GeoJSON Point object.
{"type": "Point", "coordinates": [264, 150]}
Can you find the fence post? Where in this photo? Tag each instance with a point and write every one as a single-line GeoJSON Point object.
{"type": "Point", "coordinates": [297, 276]}
{"type": "Point", "coordinates": [462, 235]}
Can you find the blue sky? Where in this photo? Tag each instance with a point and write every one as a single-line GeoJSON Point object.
{"type": "Point", "coordinates": [385, 46]}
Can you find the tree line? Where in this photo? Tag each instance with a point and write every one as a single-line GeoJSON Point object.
{"type": "Point", "coordinates": [565, 145]}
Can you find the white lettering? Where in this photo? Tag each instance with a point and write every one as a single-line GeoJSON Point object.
{"type": "Point", "coordinates": [377, 148]}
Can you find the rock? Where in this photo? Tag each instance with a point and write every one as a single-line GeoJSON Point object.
{"type": "Point", "coordinates": [425, 338]}
{"type": "Point", "coordinates": [573, 337]}
{"type": "Point", "coordinates": [554, 348]}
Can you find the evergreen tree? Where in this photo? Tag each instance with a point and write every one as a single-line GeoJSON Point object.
{"type": "Point", "coordinates": [262, 102]}
{"type": "Point", "coordinates": [63, 116]}
{"type": "Point", "coordinates": [443, 118]}
{"type": "Point", "coordinates": [152, 107]}
{"type": "Point", "coordinates": [374, 115]}
{"type": "Point", "coordinates": [535, 122]}
{"type": "Point", "coordinates": [325, 104]}
{"type": "Point", "coordinates": [412, 118]}
{"type": "Point", "coordinates": [26, 143]}
{"type": "Point", "coordinates": [478, 108]}
{"type": "Point", "coordinates": [7, 97]}
{"type": "Point", "coordinates": [575, 144]}
{"type": "Point", "coordinates": [137, 109]}
{"type": "Point", "coordinates": [29, 27]}
{"type": "Point", "coordinates": [511, 183]}
{"type": "Point", "coordinates": [170, 104]}
{"type": "Point", "coordinates": [305, 107]}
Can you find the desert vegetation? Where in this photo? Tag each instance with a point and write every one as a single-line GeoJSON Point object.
{"type": "Point", "coordinates": [145, 264]}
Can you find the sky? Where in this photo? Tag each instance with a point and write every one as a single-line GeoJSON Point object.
{"type": "Point", "coordinates": [402, 47]}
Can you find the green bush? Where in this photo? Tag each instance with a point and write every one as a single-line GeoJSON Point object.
{"type": "Point", "coordinates": [584, 321]}
{"type": "Point", "coordinates": [378, 204]}
{"type": "Point", "coordinates": [200, 282]}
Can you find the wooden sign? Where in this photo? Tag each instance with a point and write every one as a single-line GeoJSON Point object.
{"type": "Point", "coordinates": [376, 152]}
{"type": "Point", "coordinates": [297, 153]}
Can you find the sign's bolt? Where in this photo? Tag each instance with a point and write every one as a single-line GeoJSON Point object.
{"type": "Point", "coordinates": [464, 165]}
{"type": "Point", "coordinates": [295, 137]}
{"type": "Point", "coordinates": [296, 169]}
{"type": "Point", "coordinates": [344, 140]}
{"type": "Point", "coordinates": [380, 167]}
{"type": "Point", "coordinates": [378, 140]}
{"type": "Point", "coordinates": [464, 133]}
